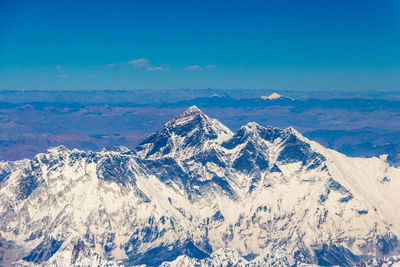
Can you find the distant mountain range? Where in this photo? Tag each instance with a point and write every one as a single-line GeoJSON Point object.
{"type": "Point", "coordinates": [33, 121]}
{"type": "Point", "coordinates": [196, 194]}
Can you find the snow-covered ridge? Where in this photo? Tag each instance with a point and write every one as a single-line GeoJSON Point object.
{"type": "Point", "coordinates": [194, 193]}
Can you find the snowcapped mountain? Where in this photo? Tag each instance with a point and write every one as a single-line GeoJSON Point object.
{"type": "Point", "coordinates": [275, 96]}
{"type": "Point", "coordinates": [196, 194]}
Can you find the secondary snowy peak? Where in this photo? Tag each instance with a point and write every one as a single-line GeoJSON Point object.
{"type": "Point", "coordinates": [257, 150]}
{"type": "Point", "coordinates": [254, 132]}
{"type": "Point", "coordinates": [189, 133]}
{"type": "Point", "coordinates": [271, 96]}
{"type": "Point", "coordinates": [275, 96]}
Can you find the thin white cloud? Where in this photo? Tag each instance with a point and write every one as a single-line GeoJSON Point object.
{"type": "Point", "coordinates": [138, 63]}
{"type": "Point", "coordinates": [192, 68]}
{"type": "Point", "coordinates": [160, 68]}
{"type": "Point", "coordinates": [210, 66]}
{"type": "Point", "coordinates": [135, 63]}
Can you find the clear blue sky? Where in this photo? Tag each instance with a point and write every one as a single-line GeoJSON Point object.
{"type": "Point", "coordinates": [301, 45]}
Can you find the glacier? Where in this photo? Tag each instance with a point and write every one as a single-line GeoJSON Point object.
{"type": "Point", "coordinates": [196, 194]}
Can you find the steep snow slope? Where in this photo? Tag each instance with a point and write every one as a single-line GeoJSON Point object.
{"type": "Point", "coordinates": [261, 196]}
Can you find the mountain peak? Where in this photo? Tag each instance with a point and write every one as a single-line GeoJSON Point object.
{"type": "Point", "coordinates": [58, 149]}
{"type": "Point", "coordinates": [191, 113]}
{"type": "Point", "coordinates": [292, 131]}
{"type": "Point", "coordinates": [193, 110]}
{"type": "Point", "coordinates": [275, 96]}
{"type": "Point", "coordinates": [191, 131]}
{"type": "Point", "coordinates": [252, 125]}
{"type": "Point", "coordinates": [271, 96]}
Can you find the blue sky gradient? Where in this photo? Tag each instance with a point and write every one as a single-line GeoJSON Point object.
{"type": "Point", "coordinates": [299, 45]}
